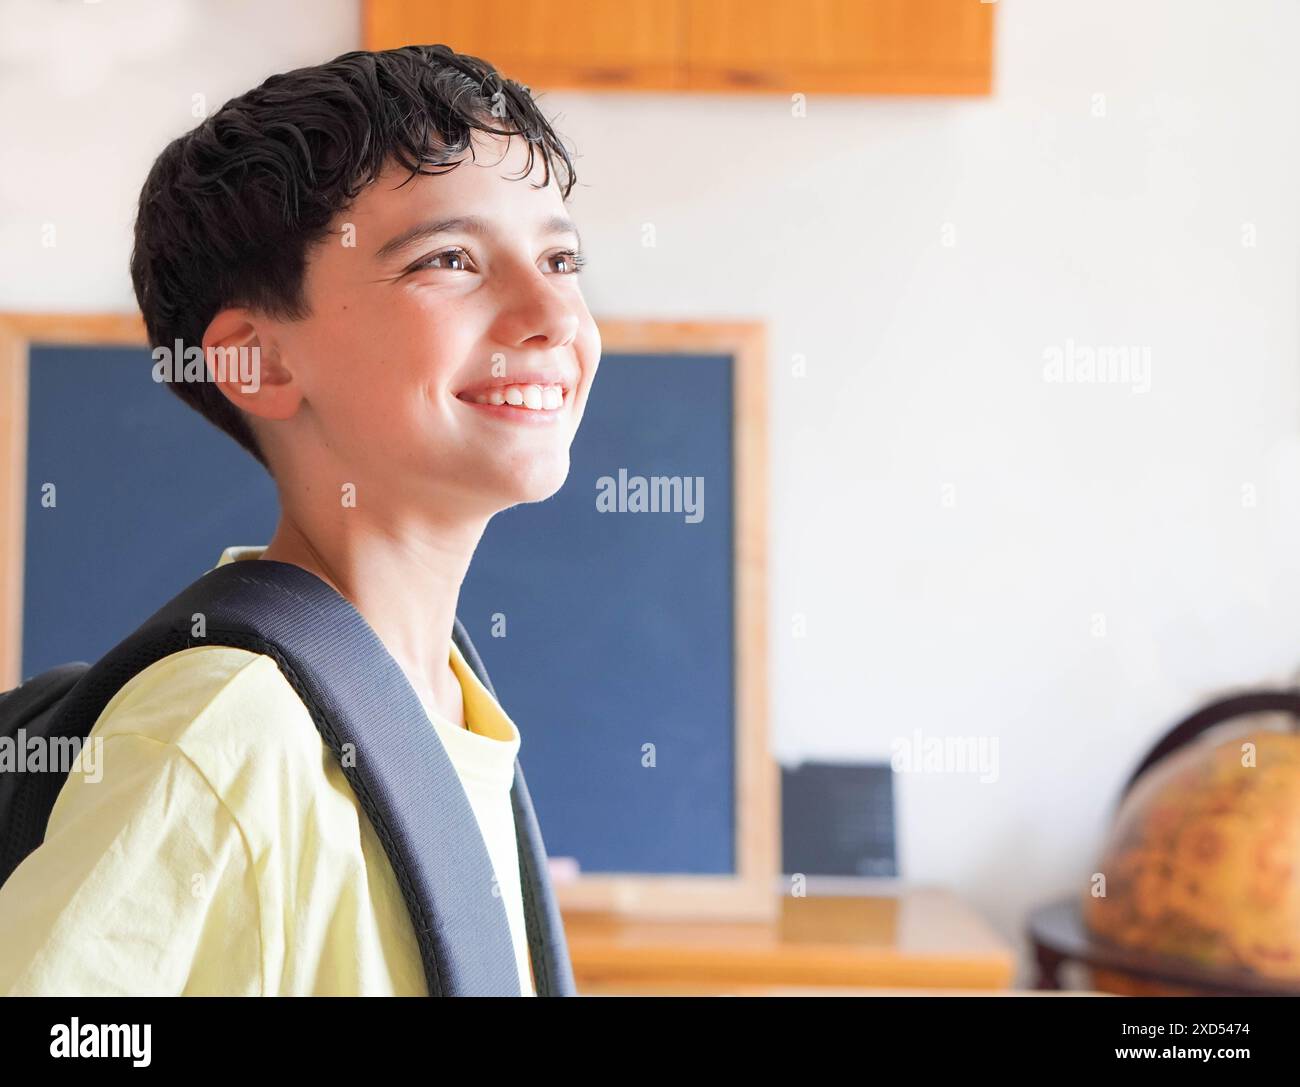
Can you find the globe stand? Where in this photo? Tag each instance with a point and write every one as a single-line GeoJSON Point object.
{"type": "Point", "coordinates": [1057, 935]}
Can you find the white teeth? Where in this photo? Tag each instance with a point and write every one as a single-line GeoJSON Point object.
{"type": "Point", "coordinates": [532, 397]}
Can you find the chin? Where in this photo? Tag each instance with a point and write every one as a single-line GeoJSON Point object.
{"type": "Point", "coordinates": [537, 480]}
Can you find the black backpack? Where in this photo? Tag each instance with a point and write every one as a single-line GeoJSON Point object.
{"type": "Point", "coordinates": [356, 694]}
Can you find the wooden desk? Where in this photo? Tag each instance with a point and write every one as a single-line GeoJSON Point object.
{"type": "Point", "coordinates": [920, 939]}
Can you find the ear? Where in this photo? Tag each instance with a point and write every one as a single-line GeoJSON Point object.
{"type": "Point", "coordinates": [244, 363]}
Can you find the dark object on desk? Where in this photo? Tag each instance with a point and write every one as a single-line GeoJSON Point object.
{"type": "Point", "coordinates": [837, 819]}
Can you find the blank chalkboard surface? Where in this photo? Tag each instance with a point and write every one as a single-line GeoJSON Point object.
{"type": "Point", "coordinates": [146, 494]}
{"type": "Point", "coordinates": [608, 633]}
{"type": "Point", "coordinates": [619, 629]}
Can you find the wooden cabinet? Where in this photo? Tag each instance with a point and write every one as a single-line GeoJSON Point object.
{"type": "Point", "coordinates": [632, 44]}
{"type": "Point", "coordinates": [738, 46]}
{"type": "Point", "coordinates": [841, 46]}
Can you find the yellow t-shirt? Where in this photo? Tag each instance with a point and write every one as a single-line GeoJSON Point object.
{"type": "Point", "coordinates": [222, 852]}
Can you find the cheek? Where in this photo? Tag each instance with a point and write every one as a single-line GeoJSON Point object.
{"type": "Point", "coordinates": [424, 341]}
{"type": "Point", "coordinates": [588, 348]}
{"type": "Point", "coordinates": [396, 364]}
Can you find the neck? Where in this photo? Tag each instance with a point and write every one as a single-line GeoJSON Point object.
{"type": "Point", "coordinates": [404, 580]}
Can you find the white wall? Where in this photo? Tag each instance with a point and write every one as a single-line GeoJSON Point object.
{"type": "Point", "coordinates": [925, 365]}
{"type": "Point", "coordinates": [91, 92]}
{"type": "Point", "coordinates": [925, 369]}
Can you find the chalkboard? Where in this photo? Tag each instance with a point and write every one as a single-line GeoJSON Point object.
{"type": "Point", "coordinates": [607, 629]}
{"type": "Point", "coordinates": [146, 495]}
{"type": "Point", "coordinates": [619, 628]}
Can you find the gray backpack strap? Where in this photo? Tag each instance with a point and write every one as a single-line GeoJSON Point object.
{"type": "Point", "coordinates": [366, 710]}
{"type": "Point", "coordinates": [547, 944]}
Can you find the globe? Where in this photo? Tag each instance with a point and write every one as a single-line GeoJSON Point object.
{"type": "Point", "coordinates": [1202, 864]}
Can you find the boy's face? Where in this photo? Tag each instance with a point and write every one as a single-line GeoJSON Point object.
{"type": "Point", "coordinates": [409, 330]}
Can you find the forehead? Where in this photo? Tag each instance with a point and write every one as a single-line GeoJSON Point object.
{"type": "Point", "coordinates": [491, 177]}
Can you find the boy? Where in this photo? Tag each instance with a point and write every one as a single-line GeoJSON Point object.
{"type": "Point", "coordinates": [385, 235]}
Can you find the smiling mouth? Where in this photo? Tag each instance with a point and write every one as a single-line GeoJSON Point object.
{"type": "Point", "coordinates": [541, 399]}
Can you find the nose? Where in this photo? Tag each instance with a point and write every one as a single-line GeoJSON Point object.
{"type": "Point", "coordinates": [534, 313]}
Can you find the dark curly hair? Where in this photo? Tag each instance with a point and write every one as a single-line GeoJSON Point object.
{"type": "Point", "coordinates": [230, 210]}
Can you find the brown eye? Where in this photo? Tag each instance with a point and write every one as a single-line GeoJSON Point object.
{"type": "Point", "coordinates": [455, 260]}
{"type": "Point", "coordinates": [571, 259]}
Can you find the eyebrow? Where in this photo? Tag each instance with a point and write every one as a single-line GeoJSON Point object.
{"type": "Point", "coordinates": [470, 224]}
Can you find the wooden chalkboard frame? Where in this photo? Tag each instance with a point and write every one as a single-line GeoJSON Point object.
{"type": "Point", "coordinates": [749, 892]}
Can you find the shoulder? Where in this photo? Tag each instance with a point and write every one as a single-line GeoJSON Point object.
{"type": "Point", "coordinates": [233, 715]}
{"type": "Point", "coordinates": [142, 877]}
{"type": "Point", "coordinates": [207, 697]}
